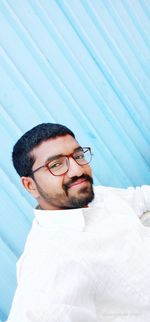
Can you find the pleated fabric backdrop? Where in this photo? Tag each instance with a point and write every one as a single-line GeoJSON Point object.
{"type": "Point", "coordinates": [83, 63]}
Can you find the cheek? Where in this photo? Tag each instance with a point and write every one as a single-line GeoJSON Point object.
{"type": "Point", "coordinates": [88, 170]}
{"type": "Point", "coordinates": [50, 182]}
{"type": "Point", "coordinates": [55, 184]}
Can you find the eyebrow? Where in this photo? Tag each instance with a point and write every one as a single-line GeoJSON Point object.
{"type": "Point", "coordinates": [56, 156]}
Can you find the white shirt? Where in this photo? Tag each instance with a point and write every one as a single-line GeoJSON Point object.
{"type": "Point", "coordinates": [87, 265]}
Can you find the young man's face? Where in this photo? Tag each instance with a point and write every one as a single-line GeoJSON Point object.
{"type": "Point", "coordinates": [70, 190]}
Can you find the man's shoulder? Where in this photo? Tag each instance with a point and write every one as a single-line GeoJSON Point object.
{"type": "Point", "coordinates": [100, 193]}
{"type": "Point", "coordinates": [98, 190]}
{"type": "Point", "coordinates": [104, 192]}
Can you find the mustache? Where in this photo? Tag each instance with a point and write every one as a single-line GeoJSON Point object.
{"type": "Point", "coordinates": [74, 179]}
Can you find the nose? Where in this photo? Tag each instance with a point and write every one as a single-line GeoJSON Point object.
{"type": "Point", "coordinates": [75, 170]}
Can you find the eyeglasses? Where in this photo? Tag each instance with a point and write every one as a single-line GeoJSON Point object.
{"type": "Point", "coordinates": [60, 165]}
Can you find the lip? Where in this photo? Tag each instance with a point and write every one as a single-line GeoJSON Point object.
{"type": "Point", "coordinates": [78, 182]}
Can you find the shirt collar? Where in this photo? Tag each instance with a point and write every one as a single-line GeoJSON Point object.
{"type": "Point", "coordinates": [71, 219]}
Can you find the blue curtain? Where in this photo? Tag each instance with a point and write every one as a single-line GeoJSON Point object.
{"type": "Point", "coordinates": [83, 63]}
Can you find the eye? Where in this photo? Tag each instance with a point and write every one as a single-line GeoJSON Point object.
{"type": "Point", "coordinates": [79, 156]}
{"type": "Point", "coordinates": [55, 165]}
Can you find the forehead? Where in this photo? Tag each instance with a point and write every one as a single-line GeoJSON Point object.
{"type": "Point", "coordinates": [60, 145]}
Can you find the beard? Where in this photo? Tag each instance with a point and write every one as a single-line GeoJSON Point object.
{"type": "Point", "coordinates": [82, 201]}
{"type": "Point", "coordinates": [85, 195]}
{"type": "Point", "coordinates": [66, 199]}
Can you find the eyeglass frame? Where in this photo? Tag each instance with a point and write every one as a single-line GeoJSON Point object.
{"type": "Point", "coordinates": [67, 156]}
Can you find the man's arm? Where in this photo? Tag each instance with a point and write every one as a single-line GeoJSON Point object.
{"type": "Point", "coordinates": [67, 296]}
{"type": "Point", "coordinates": [138, 198]}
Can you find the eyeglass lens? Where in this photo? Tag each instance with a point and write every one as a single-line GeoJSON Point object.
{"type": "Point", "coordinates": [60, 166]}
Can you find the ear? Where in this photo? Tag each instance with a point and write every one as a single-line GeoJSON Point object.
{"type": "Point", "coordinates": [30, 185]}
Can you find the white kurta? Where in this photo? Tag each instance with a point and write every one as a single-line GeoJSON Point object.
{"type": "Point", "coordinates": [87, 265]}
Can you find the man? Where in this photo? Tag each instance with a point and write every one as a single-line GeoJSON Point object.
{"type": "Point", "coordinates": [87, 256]}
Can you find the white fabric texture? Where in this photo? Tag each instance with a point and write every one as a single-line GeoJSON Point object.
{"type": "Point", "coordinates": [87, 265]}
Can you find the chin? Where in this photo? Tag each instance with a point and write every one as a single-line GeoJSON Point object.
{"type": "Point", "coordinates": [82, 201]}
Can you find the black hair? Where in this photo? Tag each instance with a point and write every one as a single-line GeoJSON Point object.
{"type": "Point", "coordinates": [21, 155]}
